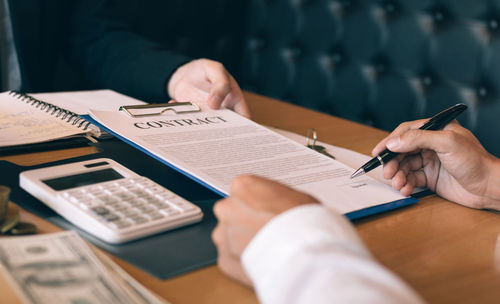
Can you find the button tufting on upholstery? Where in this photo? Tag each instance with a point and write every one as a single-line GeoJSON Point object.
{"type": "Point", "coordinates": [427, 80]}
{"type": "Point", "coordinates": [301, 4]}
{"type": "Point", "coordinates": [381, 64]}
{"type": "Point", "coordinates": [484, 91]}
{"type": "Point", "coordinates": [256, 44]}
{"type": "Point", "coordinates": [440, 15]}
{"type": "Point", "coordinates": [293, 52]}
{"type": "Point", "coordinates": [348, 5]}
{"type": "Point", "coordinates": [358, 58]}
{"type": "Point", "coordinates": [390, 7]}
{"type": "Point", "coordinates": [337, 55]}
{"type": "Point", "coordinates": [493, 23]}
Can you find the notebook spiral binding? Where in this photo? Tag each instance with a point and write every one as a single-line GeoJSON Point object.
{"type": "Point", "coordinates": [63, 114]}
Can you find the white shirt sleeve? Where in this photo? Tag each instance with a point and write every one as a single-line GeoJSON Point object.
{"type": "Point", "coordinates": [310, 254]}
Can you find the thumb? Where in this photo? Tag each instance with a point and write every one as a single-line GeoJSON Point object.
{"type": "Point", "coordinates": [415, 140]}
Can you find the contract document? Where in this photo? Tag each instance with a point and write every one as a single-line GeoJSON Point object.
{"type": "Point", "coordinates": [214, 146]}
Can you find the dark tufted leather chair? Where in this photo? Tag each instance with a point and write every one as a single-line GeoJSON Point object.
{"type": "Point", "coordinates": [379, 62]}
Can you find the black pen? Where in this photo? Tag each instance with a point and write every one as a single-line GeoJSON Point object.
{"type": "Point", "coordinates": [437, 122]}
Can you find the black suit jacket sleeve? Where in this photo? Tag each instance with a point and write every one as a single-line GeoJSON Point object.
{"type": "Point", "coordinates": [104, 43]}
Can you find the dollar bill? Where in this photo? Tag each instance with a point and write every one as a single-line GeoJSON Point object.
{"type": "Point", "coordinates": [62, 268]}
{"type": "Point", "coordinates": [4, 202]}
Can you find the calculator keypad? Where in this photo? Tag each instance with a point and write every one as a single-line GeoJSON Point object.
{"type": "Point", "coordinates": [131, 202]}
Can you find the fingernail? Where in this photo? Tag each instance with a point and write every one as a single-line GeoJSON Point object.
{"type": "Point", "coordinates": [393, 143]}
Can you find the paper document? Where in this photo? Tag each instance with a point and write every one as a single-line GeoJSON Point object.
{"type": "Point", "coordinates": [348, 157]}
{"type": "Point", "coordinates": [81, 101]}
{"type": "Point", "coordinates": [214, 146]}
{"type": "Point", "coordinates": [61, 268]}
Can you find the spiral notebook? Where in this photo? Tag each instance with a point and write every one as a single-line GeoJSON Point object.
{"type": "Point", "coordinates": [27, 123]}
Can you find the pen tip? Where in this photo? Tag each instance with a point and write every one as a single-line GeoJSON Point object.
{"type": "Point", "coordinates": [357, 173]}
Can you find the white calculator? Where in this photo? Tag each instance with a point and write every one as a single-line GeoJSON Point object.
{"type": "Point", "coordinates": [108, 200]}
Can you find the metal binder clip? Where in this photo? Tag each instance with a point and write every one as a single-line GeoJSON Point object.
{"type": "Point", "coordinates": [314, 146]}
{"type": "Point", "coordinates": [177, 107]}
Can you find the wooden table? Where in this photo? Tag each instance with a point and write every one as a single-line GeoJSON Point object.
{"type": "Point", "coordinates": [446, 252]}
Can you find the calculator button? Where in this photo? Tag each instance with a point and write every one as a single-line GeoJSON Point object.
{"type": "Point", "coordinates": [119, 207]}
{"type": "Point", "coordinates": [139, 192]}
{"type": "Point", "coordinates": [108, 199]}
{"type": "Point", "coordinates": [144, 183]}
{"type": "Point", "coordinates": [155, 189]}
{"type": "Point", "coordinates": [111, 217]}
{"type": "Point", "coordinates": [124, 195]}
{"type": "Point", "coordinates": [187, 207]}
{"type": "Point", "coordinates": [145, 209]}
{"type": "Point", "coordinates": [74, 199]}
{"type": "Point", "coordinates": [89, 203]}
{"type": "Point", "coordinates": [154, 216]}
{"type": "Point", "coordinates": [166, 195]}
{"type": "Point", "coordinates": [169, 212]}
{"type": "Point", "coordinates": [161, 205]}
{"type": "Point", "coordinates": [120, 224]}
{"type": "Point", "coordinates": [100, 210]}
{"type": "Point", "coordinates": [128, 212]}
{"type": "Point", "coordinates": [112, 188]}
{"type": "Point", "coordinates": [138, 219]}
{"type": "Point", "coordinates": [123, 182]}
{"type": "Point", "coordinates": [137, 202]}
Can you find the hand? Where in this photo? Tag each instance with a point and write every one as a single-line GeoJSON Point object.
{"type": "Point", "coordinates": [450, 162]}
{"type": "Point", "coordinates": [207, 81]}
{"type": "Point", "coordinates": [253, 202]}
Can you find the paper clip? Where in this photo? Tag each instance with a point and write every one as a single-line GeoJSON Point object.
{"type": "Point", "coordinates": [176, 107]}
{"type": "Point", "coordinates": [314, 146]}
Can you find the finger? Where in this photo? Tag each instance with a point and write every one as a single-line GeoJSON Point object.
{"type": "Point", "coordinates": [235, 100]}
{"type": "Point", "coordinates": [391, 167]}
{"type": "Point", "coordinates": [411, 163]}
{"type": "Point", "coordinates": [413, 140]}
{"type": "Point", "coordinates": [240, 220]}
{"type": "Point", "coordinates": [231, 266]}
{"type": "Point", "coordinates": [186, 91]}
{"type": "Point", "coordinates": [399, 180]}
{"type": "Point", "coordinates": [219, 238]}
{"type": "Point", "coordinates": [414, 179]}
{"type": "Point", "coordinates": [220, 82]}
{"type": "Point", "coordinates": [227, 211]}
{"type": "Point", "coordinates": [402, 128]}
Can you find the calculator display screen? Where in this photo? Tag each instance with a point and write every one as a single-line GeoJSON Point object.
{"type": "Point", "coordinates": [82, 179]}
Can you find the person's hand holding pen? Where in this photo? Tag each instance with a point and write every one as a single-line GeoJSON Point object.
{"type": "Point", "coordinates": [207, 82]}
{"type": "Point", "coordinates": [450, 162]}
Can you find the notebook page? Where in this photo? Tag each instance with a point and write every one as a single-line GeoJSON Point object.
{"type": "Point", "coordinates": [22, 123]}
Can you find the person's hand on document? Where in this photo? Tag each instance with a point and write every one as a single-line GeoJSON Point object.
{"type": "Point", "coordinates": [252, 203]}
{"type": "Point", "coordinates": [207, 82]}
{"type": "Point", "coordinates": [450, 162]}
